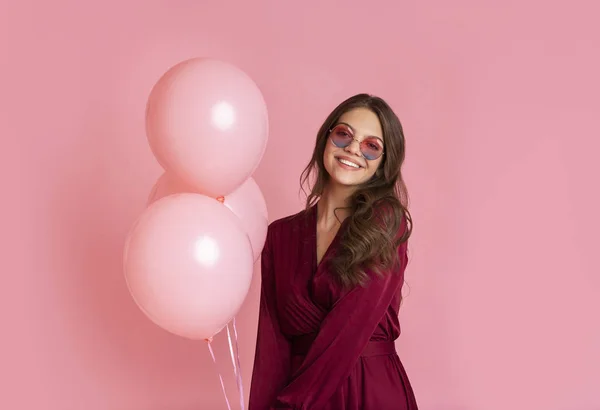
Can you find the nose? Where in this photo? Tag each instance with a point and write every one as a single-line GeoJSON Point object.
{"type": "Point", "coordinates": [354, 147]}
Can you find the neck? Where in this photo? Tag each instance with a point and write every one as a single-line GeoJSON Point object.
{"type": "Point", "coordinates": [333, 203]}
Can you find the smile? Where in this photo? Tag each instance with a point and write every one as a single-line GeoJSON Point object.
{"type": "Point", "coordinates": [348, 163]}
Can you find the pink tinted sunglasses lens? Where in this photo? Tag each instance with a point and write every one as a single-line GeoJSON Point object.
{"type": "Point", "coordinates": [340, 138]}
{"type": "Point", "coordinates": [370, 148]}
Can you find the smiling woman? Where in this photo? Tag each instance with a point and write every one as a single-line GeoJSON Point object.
{"type": "Point", "coordinates": [332, 274]}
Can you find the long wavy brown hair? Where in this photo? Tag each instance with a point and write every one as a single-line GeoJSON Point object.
{"type": "Point", "coordinates": [371, 236]}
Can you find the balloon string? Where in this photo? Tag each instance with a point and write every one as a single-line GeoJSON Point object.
{"type": "Point", "coordinates": [237, 369]}
{"type": "Point", "coordinates": [237, 349]}
{"type": "Point", "coordinates": [212, 354]}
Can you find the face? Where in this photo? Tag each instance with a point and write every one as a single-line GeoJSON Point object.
{"type": "Point", "coordinates": [354, 148]}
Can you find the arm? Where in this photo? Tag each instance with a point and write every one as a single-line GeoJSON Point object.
{"type": "Point", "coordinates": [343, 335]}
{"type": "Point", "coordinates": [272, 359]}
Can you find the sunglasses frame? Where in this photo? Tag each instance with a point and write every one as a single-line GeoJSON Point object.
{"type": "Point", "coordinates": [354, 139]}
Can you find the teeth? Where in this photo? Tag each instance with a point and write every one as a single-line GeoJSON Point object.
{"type": "Point", "coordinates": [350, 164]}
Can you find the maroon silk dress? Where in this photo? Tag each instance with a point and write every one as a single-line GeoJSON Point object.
{"type": "Point", "coordinates": [320, 347]}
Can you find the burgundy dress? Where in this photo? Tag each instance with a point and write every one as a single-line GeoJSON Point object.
{"type": "Point", "coordinates": [320, 347]}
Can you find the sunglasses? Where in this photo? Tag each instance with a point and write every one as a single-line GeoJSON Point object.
{"type": "Point", "coordinates": [342, 135]}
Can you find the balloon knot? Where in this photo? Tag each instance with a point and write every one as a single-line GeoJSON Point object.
{"type": "Point", "coordinates": [221, 199]}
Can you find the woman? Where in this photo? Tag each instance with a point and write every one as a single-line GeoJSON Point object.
{"type": "Point", "coordinates": [332, 274]}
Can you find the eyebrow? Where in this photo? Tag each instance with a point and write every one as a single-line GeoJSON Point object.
{"type": "Point", "coordinates": [354, 131]}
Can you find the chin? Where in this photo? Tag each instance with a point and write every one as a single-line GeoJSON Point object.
{"type": "Point", "coordinates": [347, 180]}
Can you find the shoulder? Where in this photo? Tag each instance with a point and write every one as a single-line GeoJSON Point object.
{"type": "Point", "coordinates": [289, 224]}
{"type": "Point", "coordinates": [284, 233]}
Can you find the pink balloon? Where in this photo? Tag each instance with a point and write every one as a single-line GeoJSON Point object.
{"type": "Point", "coordinates": [246, 202]}
{"type": "Point", "coordinates": [206, 121]}
{"type": "Point", "coordinates": [188, 265]}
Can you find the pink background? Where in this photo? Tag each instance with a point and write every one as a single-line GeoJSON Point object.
{"type": "Point", "coordinates": [500, 105]}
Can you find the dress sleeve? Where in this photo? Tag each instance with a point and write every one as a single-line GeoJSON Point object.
{"type": "Point", "coordinates": [342, 337]}
{"type": "Point", "coordinates": [272, 357]}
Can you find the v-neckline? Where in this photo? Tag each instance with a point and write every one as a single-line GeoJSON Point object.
{"type": "Point", "coordinates": [316, 263]}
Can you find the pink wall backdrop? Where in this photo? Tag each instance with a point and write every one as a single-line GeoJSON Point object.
{"type": "Point", "coordinates": [500, 105]}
